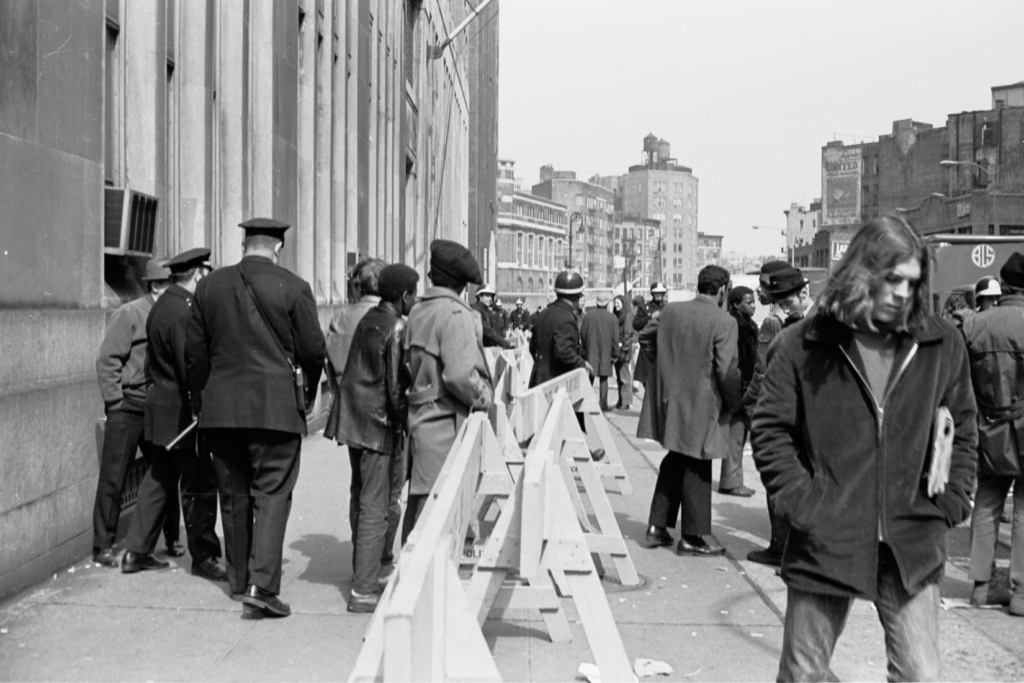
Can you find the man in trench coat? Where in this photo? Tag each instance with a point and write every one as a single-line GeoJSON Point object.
{"type": "Point", "coordinates": [697, 340]}
{"type": "Point", "coordinates": [599, 333]}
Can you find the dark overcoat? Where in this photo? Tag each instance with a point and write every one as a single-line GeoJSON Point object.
{"type": "Point", "coordinates": [555, 342]}
{"type": "Point", "coordinates": [168, 410]}
{"type": "Point", "coordinates": [846, 472]}
{"type": "Point", "coordinates": [238, 377]}
{"type": "Point", "coordinates": [599, 333]}
{"type": "Point", "coordinates": [644, 317]}
{"type": "Point", "coordinates": [695, 382]}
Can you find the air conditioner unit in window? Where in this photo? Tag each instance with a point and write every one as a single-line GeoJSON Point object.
{"type": "Point", "coordinates": [129, 222]}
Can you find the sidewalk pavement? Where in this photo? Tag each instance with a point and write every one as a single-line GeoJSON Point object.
{"type": "Point", "coordinates": [709, 618]}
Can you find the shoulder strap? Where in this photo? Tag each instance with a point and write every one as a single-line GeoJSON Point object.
{"type": "Point", "coordinates": [263, 317]}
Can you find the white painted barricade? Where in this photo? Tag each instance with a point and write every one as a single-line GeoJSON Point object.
{"type": "Point", "coordinates": [427, 625]}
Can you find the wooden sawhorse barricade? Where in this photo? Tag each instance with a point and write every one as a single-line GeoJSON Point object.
{"type": "Point", "coordinates": [427, 626]}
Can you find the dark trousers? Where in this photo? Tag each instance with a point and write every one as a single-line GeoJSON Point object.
{"type": "Point", "coordinates": [374, 513]}
{"type": "Point", "coordinates": [122, 439]}
{"type": "Point", "coordinates": [625, 382]}
{"type": "Point", "coordinates": [413, 508]}
{"type": "Point", "coordinates": [602, 392]}
{"type": "Point", "coordinates": [198, 502]}
{"type": "Point", "coordinates": [683, 486]}
{"type": "Point", "coordinates": [256, 473]}
{"type": "Point", "coordinates": [780, 531]}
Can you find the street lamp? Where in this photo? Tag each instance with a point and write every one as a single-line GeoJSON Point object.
{"type": "Point", "coordinates": [785, 240]}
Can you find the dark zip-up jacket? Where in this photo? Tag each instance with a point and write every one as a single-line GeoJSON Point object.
{"type": "Point", "coordinates": [371, 394]}
{"type": "Point", "coordinates": [848, 473]}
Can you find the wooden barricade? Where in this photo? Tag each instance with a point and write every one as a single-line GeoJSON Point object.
{"type": "Point", "coordinates": [427, 625]}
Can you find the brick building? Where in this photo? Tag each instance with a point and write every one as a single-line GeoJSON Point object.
{"type": "Point", "coordinates": [665, 191]}
{"type": "Point", "coordinates": [531, 247]}
{"type": "Point", "coordinates": [332, 115]}
{"type": "Point", "coordinates": [592, 242]}
{"type": "Point", "coordinates": [802, 224]}
{"type": "Point", "coordinates": [709, 250]}
{"type": "Point", "coordinates": [639, 240]}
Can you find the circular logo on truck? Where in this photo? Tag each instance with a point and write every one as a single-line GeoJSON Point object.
{"type": "Point", "coordinates": [983, 255]}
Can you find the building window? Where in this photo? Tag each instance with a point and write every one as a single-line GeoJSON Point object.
{"type": "Point", "coordinates": [529, 250]}
{"type": "Point", "coordinates": [112, 108]}
{"type": "Point", "coordinates": [519, 248]}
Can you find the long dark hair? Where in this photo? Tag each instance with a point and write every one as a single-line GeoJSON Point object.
{"type": "Point", "coordinates": [877, 248]}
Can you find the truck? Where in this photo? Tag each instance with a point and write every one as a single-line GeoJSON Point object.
{"type": "Point", "coordinates": [959, 261]}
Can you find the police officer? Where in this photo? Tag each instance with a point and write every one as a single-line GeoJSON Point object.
{"type": "Point", "coordinates": [445, 356]}
{"type": "Point", "coordinates": [254, 355]}
{"type": "Point", "coordinates": [168, 414]}
{"type": "Point", "coordinates": [520, 318]}
{"type": "Point", "coordinates": [485, 307]}
{"type": "Point", "coordinates": [121, 372]}
{"type": "Point", "coordinates": [555, 340]}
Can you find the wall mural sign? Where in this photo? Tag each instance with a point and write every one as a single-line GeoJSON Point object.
{"type": "Point", "coordinates": [841, 170]}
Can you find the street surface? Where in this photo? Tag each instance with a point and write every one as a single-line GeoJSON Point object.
{"type": "Point", "coordinates": [711, 619]}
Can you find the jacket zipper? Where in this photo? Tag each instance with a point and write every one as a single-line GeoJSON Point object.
{"type": "Point", "coordinates": [880, 425]}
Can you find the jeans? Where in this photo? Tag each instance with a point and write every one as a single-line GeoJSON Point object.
{"type": "Point", "coordinates": [731, 475]}
{"type": "Point", "coordinates": [988, 509]}
{"type": "Point", "coordinates": [625, 380]}
{"type": "Point", "coordinates": [374, 513]}
{"type": "Point", "coordinates": [815, 621]}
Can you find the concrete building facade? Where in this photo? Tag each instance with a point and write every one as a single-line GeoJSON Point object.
{"type": "Point", "coordinates": [802, 224]}
{"type": "Point", "coordinates": [665, 191]}
{"type": "Point", "coordinates": [709, 250]}
{"type": "Point", "coordinates": [639, 241]}
{"type": "Point", "coordinates": [531, 247]}
{"type": "Point", "coordinates": [592, 240]}
{"type": "Point", "coordinates": [332, 115]}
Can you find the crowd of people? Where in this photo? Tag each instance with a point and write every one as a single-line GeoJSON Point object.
{"type": "Point", "coordinates": [213, 373]}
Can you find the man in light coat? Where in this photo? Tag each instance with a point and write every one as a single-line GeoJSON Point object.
{"type": "Point", "coordinates": [696, 340]}
{"type": "Point", "coordinates": [600, 337]}
{"type": "Point", "coordinates": [445, 356]}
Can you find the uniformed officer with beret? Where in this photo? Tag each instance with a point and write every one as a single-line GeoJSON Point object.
{"type": "Point", "coordinates": [445, 356]}
{"type": "Point", "coordinates": [168, 414]}
{"type": "Point", "coordinates": [555, 332]}
{"type": "Point", "coordinates": [254, 331]}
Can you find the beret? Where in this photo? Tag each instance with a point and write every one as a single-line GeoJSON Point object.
{"type": "Point", "coordinates": [395, 280]}
{"type": "Point", "coordinates": [1012, 271]}
{"type": "Point", "coordinates": [455, 261]}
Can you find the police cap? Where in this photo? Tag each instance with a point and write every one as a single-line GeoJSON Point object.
{"type": "Point", "coordinates": [486, 289]}
{"type": "Point", "coordinates": [187, 260]}
{"type": "Point", "coordinates": [264, 226]}
{"type": "Point", "coordinates": [658, 288]}
{"type": "Point", "coordinates": [569, 282]}
{"type": "Point", "coordinates": [455, 261]}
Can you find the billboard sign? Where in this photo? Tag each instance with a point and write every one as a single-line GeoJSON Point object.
{"type": "Point", "coordinates": [840, 185]}
{"type": "Point", "coordinates": [839, 250]}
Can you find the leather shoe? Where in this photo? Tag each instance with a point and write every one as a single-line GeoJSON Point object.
{"type": "Point", "coordinates": [766, 556]}
{"type": "Point", "coordinates": [597, 455]}
{"type": "Point", "coordinates": [985, 593]}
{"type": "Point", "coordinates": [175, 549]}
{"type": "Point", "coordinates": [742, 491]}
{"type": "Point", "coordinates": [695, 545]}
{"type": "Point", "coordinates": [385, 575]}
{"type": "Point", "coordinates": [137, 562]}
{"type": "Point", "coordinates": [658, 536]}
{"type": "Point", "coordinates": [105, 557]}
{"type": "Point", "coordinates": [360, 603]}
{"type": "Point", "coordinates": [258, 599]}
{"type": "Point", "coordinates": [209, 569]}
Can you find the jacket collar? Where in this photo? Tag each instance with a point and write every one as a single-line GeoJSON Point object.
{"type": "Point", "coordinates": [443, 293]}
{"type": "Point", "coordinates": [1012, 300]}
{"type": "Point", "coordinates": [706, 299]}
{"type": "Point", "coordinates": [179, 291]}
{"type": "Point", "coordinates": [388, 307]}
{"type": "Point", "coordinates": [563, 303]}
{"type": "Point", "coordinates": [825, 329]}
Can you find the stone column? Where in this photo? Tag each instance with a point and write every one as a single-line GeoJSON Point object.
{"type": "Point", "coordinates": [324, 102]}
{"type": "Point", "coordinates": [195, 136]}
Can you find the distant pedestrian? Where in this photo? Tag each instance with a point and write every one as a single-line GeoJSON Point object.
{"type": "Point", "coordinates": [626, 337]}
{"type": "Point", "coordinates": [168, 415]}
{"type": "Point", "coordinates": [770, 327]}
{"type": "Point", "coordinates": [121, 371]}
{"type": "Point", "coordinates": [445, 356]}
{"type": "Point", "coordinates": [694, 388]}
{"type": "Point", "coordinates": [843, 437]}
{"type": "Point", "coordinates": [995, 345]}
{"type": "Point", "coordinates": [363, 286]}
{"type": "Point", "coordinates": [741, 308]}
{"type": "Point", "coordinates": [600, 338]}
{"type": "Point", "coordinates": [986, 293]}
{"type": "Point", "coordinates": [501, 318]}
{"type": "Point", "coordinates": [645, 316]}
{"type": "Point", "coordinates": [254, 354]}
{"type": "Point", "coordinates": [374, 415]}
{"type": "Point", "coordinates": [957, 310]}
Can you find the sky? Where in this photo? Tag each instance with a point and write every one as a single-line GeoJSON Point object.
{"type": "Point", "coordinates": [747, 93]}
